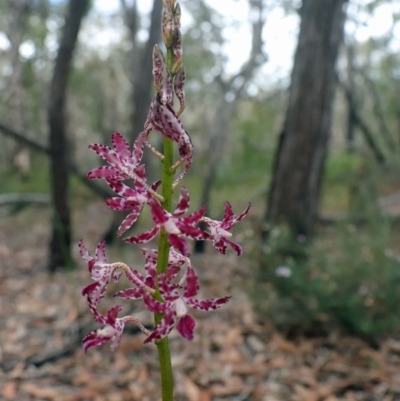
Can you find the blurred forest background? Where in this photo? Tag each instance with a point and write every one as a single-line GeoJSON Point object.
{"type": "Point", "coordinates": [292, 105]}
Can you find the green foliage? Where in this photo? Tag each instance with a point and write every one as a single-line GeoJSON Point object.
{"type": "Point", "coordinates": [350, 278]}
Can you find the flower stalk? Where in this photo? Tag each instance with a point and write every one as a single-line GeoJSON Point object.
{"type": "Point", "coordinates": [170, 283]}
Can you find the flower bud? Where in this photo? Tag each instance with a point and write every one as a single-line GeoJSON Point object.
{"type": "Point", "coordinates": [158, 67]}
{"type": "Point", "coordinates": [179, 83]}
{"type": "Point", "coordinates": [177, 49]}
{"type": "Point", "coordinates": [167, 26]}
{"type": "Point", "coordinates": [177, 16]}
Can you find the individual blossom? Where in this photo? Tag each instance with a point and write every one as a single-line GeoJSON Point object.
{"type": "Point", "coordinates": [112, 329]}
{"type": "Point", "coordinates": [123, 162]}
{"type": "Point", "coordinates": [164, 119]}
{"type": "Point", "coordinates": [174, 224]}
{"type": "Point", "coordinates": [132, 200]}
{"type": "Point", "coordinates": [102, 272]}
{"type": "Point", "coordinates": [175, 263]}
{"type": "Point", "coordinates": [174, 308]}
{"type": "Point", "coordinates": [220, 229]}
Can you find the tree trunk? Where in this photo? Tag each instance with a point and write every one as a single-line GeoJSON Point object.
{"type": "Point", "coordinates": [300, 157]}
{"type": "Point", "coordinates": [60, 253]}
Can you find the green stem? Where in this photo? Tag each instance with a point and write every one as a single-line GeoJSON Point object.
{"type": "Point", "coordinates": [164, 354]}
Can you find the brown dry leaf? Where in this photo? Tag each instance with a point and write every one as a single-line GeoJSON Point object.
{"type": "Point", "coordinates": [40, 392]}
{"type": "Point", "coordinates": [331, 398]}
{"type": "Point", "coordinates": [192, 391]}
{"type": "Point", "coordinates": [278, 362]}
{"type": "Point", "coordinates": [232, 385]}
{"type": "Point", "coordinates": [18, 371]}
{"type": "Point", "coordinates": [305, 394]}
{"type": "Point", "coordinates": [278, 342]}
{"type": "Point", "coordinates": [248, 369]}
{"type": "Point", "coordinates": [9, 390]}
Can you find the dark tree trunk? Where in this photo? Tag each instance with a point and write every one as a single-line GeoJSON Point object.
{"type": "Point", "coordinates": [301, 154]}
{"type": "Point", "coordinates": [60, 253]}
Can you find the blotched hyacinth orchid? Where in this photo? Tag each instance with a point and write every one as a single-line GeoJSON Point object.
{"type": "Point", "coordinates": [174, 224]}
{"type": "Point", "coordinates": [174, 307]}
{"type": "Point", "coordinates": [220, 229]}
{"type": "Point", "coordinates": [169, 283]}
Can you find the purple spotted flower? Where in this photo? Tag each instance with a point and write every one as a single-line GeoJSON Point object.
{"type": "Point", "coordinates": [175, 225]}
{"type": "Point", "coordinates": [112, 329]}
{"type": "Point", "coordinates": [175, 309]}
{"type": "Point", "coordinates": [220, 229]}
{"type": "Point", "coordinates": [131, 199]}
{"type": "Point", "coordinates": [100, 270]}
{"type": "Point", "coordinates": [123, 162]}
{"type": "Point", "coordinates": [175, 263]}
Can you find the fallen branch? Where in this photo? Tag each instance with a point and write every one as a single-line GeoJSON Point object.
{"type": "Point", "coordinates": [41, 148]}
{"type": "Point", "coordinates": [23, 198]}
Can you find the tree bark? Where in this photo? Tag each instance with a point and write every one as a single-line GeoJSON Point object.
{"type": "Point", "coordinates": [60, 253]}
{"type": "Point", "coordinates": [301, 153]}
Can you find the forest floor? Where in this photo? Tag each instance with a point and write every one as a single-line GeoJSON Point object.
{"type": "Point", "coordinates": [234, 355]}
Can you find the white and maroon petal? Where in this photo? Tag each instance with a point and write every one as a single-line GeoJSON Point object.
{"type": "Point", "coordinates": [186, 326]}
{"type": "Point", "coordinates": [106, 153]}
{"type": "Point", "coordinates": [117, 204]}
{"type": "Point", "coordinates": [97, 294]}
{"type": "Point", "coordinates": [163, 328]}
{"type": "Point", "coordinates": [89, 288]}
{"type": "Point", "coordinates": [150, 266]}
{"type": "Point", "coordinates": [137, 151]}
{"type": "Point", "coordinates": [112, 314]}
{"type": "Point", "coordinates": [105, 172]}
{"type": "Point", "coordinates": [101, 252]}
{"type": "Point", "coordinates": [130, 293]}
{"type": "Point", "coordinates": [119, 328]}
{"type": "Point", "coordinates": [172, 124]}
{"type": "Point", "coordinates": [176, 259]}
{"type": "Point", "coordinates": [155, 306]}
{"type": "Point", "coordinates": [220, 245]}
{"type": "Point", "coordinates": [183, 203]}
{"type": "Point", "coordinates": [168, 291]}
{"type": "Point", "coordinates": [159, 214]}
{"type": "Point", "coordinates": [192, 232]}
{"type": "Point", "coordinates": [84, 253]}
{"type": "Point", "coordinates": [156, 185]}
{"type": "Point", "coordinates": [135, 277]}
{"type": "Point", "coordinates": [236, 247]}
{"type": "Point", "coordinates": [93, 308]}
{"type": "Point", "coordinates": [150, 253]}
{"type": "Point", "coordinates": [196, 216]}
{"type": "Point", "coordinates": [207, 304]}
{"type": "Point", "coordinates": [243, 214]}
{"type": "Point", "coordinates": [129, 220]}
{"type": "Point", "coordinates": [144, 237]}
{"type": "Point", "coordinates": [172, 272]}
{"type": "Point", "coordinates": [121, 146]}
{"type": "Point", "coordinates": [94, 339]}
{"type": "Point", "coordinates": [228, 215]}
{"type": "Point", "coordinates": [179, 244]}
{"type": "Point", "coordinates": [121, 189]}
{"type": "Point", "coordinates": [192, 285]}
